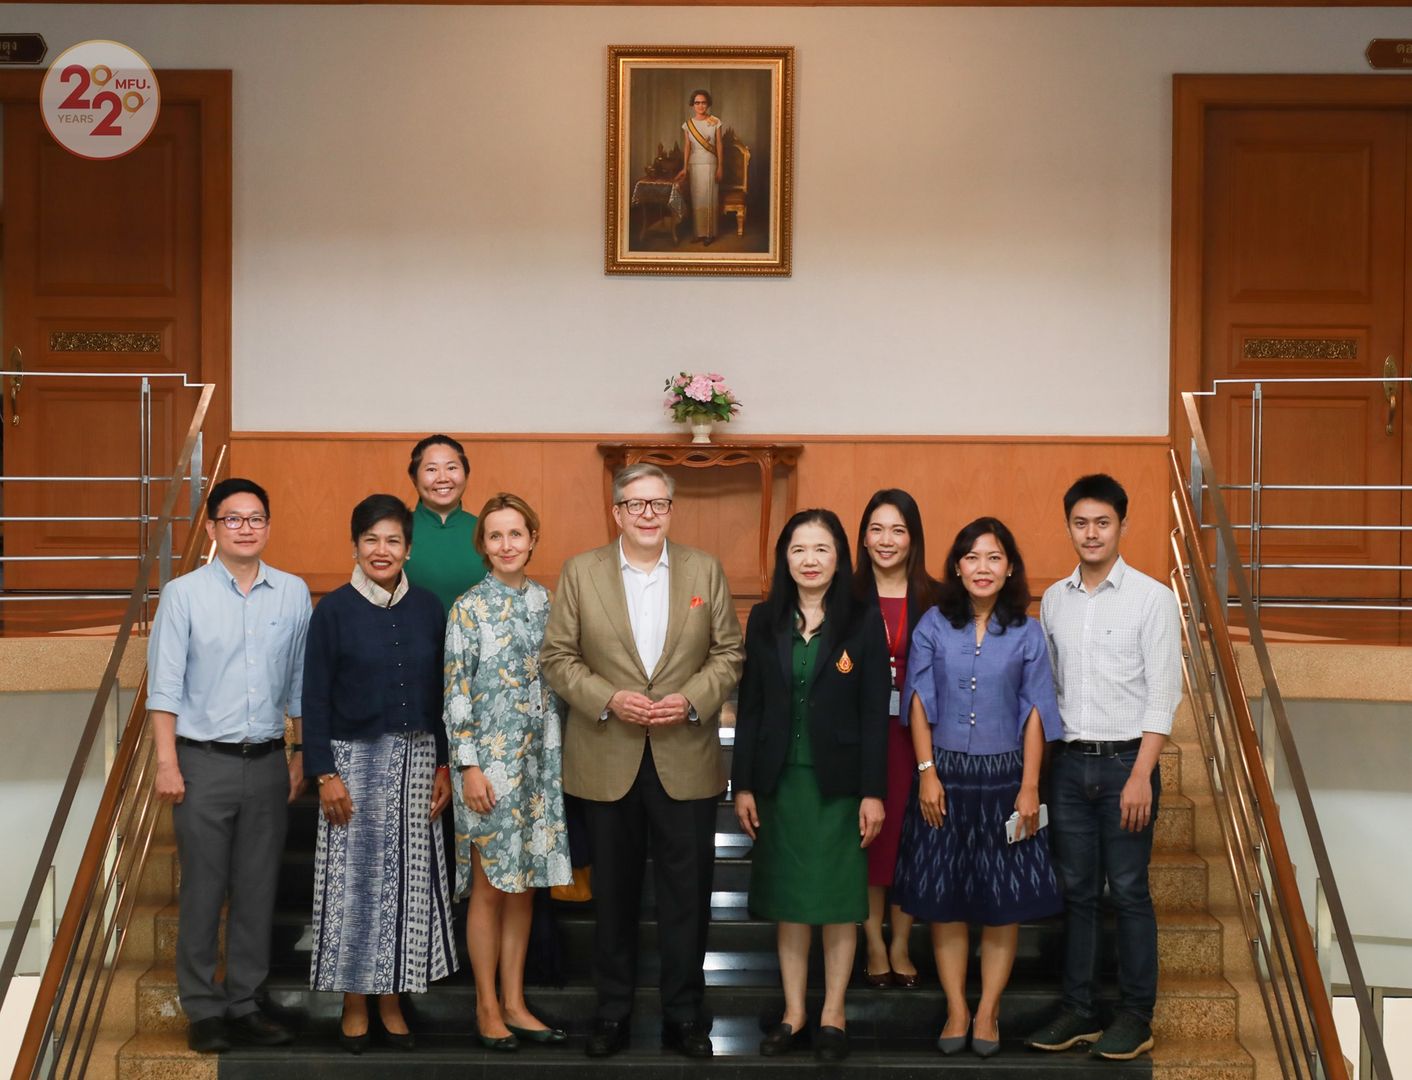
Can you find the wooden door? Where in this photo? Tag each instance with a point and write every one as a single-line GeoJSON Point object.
{"type": "Point", "coordinates": [1304, 276]}
{"type": "Point", "coordinates": [109, 267]}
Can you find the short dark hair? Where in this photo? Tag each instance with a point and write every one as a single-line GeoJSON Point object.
{"type": "Point", "coordinates": [704, 93]}
{"type": "Point", "coordinates": [1014, 596]}
{"type": "Point", "coordinates": [1100, 487]}
{"type": "Point", "coordinates": [436, 440]}
{"type": "Point", "coordinates": [377, 508]}
{"type": "Point", "coordinates": [234, 485]}
{"type": "Point", "coordinates": [921, 586]}
{"type": "Point", "coordinates": [782, 603]}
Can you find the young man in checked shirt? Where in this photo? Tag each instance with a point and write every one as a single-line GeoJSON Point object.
{"type": "Point", "coordinates": [1115, 642]}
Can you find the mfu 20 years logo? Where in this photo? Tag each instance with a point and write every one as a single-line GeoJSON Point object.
{"type": "Point", "coordinates": [100, 99]}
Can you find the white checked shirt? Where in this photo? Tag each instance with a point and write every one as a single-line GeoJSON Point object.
{"type": "Point", "coordinates": [647, 596]}
{"type": "Point", "coordinates": [1116, 653]}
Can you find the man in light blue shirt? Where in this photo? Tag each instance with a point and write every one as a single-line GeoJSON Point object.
{"type": "Point", "coordinates": [225, 665]}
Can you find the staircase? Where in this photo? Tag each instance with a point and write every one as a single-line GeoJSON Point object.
{"type": "Point", "coordinates": [1201, 1021]}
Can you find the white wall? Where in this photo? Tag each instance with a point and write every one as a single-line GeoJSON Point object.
{"type": "Point", "coordinates": [1354, 756]}
{"type": "Point", "coordinates": [981, 225]}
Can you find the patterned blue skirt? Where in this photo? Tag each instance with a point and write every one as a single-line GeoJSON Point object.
{"type": "Point", "coordinates": [965, 871]}
{"type": "Point", "coordinates": [382, 910]}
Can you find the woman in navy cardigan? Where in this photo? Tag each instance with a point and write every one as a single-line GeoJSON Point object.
{"type": "Point", "coordinates": [373, 736]}
{"type": "Point", "coordinates": [810, 765]}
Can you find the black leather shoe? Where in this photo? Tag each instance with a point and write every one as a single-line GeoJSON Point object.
{"type": "Point", "coordinates": [782, 1039]}
{"type": "Point", "coordinates": [208, 1036]}
{"type": "Point", "coordinates": [687, 1038]}
{"type": "Point", "coordinates": [609, 1036]}
{"type": "Point", "coordinates": [354, 1044]}
{"type": "Point", "coordinates": [257, 1029]}
{"type": "Point", "coordinates": [831, 1044]}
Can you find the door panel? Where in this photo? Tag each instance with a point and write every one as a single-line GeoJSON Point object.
{"type": "Point", "coordinates": [102, 273]}
{"type": "Point", "coordinates": [1304, 277]}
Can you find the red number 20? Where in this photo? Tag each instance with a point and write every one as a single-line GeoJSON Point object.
{"type": "Point", "coordinates": [75, 100]}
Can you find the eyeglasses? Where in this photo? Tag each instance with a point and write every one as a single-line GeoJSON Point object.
{"type": "Point", "coordinates": [698, 101]}
{"type": "Point", "coordinates": [235, 521]}
{"type": "Point", "coordinates": [636, 507]}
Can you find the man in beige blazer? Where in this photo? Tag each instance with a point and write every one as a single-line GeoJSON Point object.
{"type": "Point", "coordinates": [644, 644]}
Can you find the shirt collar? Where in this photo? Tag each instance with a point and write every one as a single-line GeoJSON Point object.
{"type": "Point", "coordinates": [1115, 576]}
{"type": "Point", "coordinates": [435, 519]}
{"type": "Point", "coordinates": [374, 593]}
{"type": "Point", "coordinates": [260, 575]}
{"type": "Point", "coordinates": [623, 563]}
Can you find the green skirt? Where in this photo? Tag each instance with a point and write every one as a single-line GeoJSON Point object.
{"type": "Point", "coordinates": [806, 866]}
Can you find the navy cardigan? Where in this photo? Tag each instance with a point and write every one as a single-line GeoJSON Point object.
{"type": "Point", "coordinates": [371, 671]}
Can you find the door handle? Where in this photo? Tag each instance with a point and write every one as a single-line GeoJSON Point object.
{"type": "Point", "coordinates": [1390, 390]}
{"type": "Point", "coordinates": [17, 366]}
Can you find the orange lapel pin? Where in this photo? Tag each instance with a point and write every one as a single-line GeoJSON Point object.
{"type": "Point", "coordinates": [845, 663]}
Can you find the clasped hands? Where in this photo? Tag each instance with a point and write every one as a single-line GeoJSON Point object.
{"type": "Point", "coordinates": [633, 708]}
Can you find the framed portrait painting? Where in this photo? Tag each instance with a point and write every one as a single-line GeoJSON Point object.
{"type": "Point", "coordinates": [700, 160]}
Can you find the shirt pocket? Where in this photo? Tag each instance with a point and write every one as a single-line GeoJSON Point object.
{"type": "Point", "coordinates": [1119, 644]}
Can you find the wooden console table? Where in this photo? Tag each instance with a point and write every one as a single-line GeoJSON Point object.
{"type": "Point", "coordinates": [715, 455]}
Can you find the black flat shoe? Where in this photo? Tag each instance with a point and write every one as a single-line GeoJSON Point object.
{"type": "Point", "coordinates": [608, 1037]}
{"type": "Point", "coordinates": [831, 1044]}
{"type": "Point", "coordinates": [783, 1039]}
{"type": "Point", "coordinates": [504, 1044]}
{"type": "Point", "coordinates": [547, 1036]}
{"type": "Point", "coordinates": [878, 981]}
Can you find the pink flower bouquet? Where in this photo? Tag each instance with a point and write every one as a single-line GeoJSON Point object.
{"type": "Point", "coordinates": [699, 397]}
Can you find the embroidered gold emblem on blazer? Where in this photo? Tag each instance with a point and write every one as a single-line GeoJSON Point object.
{"type": "Point", "coordinates": [589, 655]}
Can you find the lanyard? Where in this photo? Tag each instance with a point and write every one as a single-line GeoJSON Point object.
{"type": "Point", "coordinates": [891, 647]}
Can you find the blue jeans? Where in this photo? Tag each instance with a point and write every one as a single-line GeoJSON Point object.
{"type": "Point", "coordinates": [1090, 846]}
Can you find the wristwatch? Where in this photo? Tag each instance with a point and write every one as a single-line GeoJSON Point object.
{"type": "Point", "coordinates": [326, 777]}
{"type": "Point", "coordinates": [922, 766]}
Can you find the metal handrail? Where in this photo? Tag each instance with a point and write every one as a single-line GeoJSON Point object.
{"type": "Point", "coordinates": [1276, 923]}
{"type": "Point", "coordinates": [1258, 487]}
{"type": "Point", "coordinates": [77, 907]}
{"type": "Point", "coordinates": [143, 481]}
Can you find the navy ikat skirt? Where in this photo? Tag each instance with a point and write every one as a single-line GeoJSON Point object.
{"type": "Point", "coordinates": [965, 871]}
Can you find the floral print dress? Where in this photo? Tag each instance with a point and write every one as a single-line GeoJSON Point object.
{"type": "Point", "coordinates": [501, 716]}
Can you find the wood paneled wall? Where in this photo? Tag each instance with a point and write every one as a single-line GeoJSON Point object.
{"type": "Point", "coordinates": [315, 478]}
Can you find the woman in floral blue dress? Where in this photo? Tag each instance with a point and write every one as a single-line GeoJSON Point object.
{"type": "Point", "coordinates": [503, 727]}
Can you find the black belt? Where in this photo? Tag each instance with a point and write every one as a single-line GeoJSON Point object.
{"type": "Point", "coordinates": [235, 749]}
{"type": "Point", "coordinates": [1101, 749]}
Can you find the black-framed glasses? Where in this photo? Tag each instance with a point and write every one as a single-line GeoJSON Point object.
{"type": "Point", "coordinates": [235, 521]}
{"type": "Point", "coordinates": [637, 507]}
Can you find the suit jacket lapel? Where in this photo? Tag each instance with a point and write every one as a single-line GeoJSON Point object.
{"type": "Point", "coordinates": [679, 582]}
{"type": "Point", "coordinates": [784, 642]}
{"type": "Point", "coordinates": [608, 583]}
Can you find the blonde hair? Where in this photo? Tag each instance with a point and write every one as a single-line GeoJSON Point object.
{"type": "Point", "coordinates": [504, 501]}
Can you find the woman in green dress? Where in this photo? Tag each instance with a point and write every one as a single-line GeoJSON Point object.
{"type": "Point", "coordinates": [446, 560]}
{"type": "Point", "coordinates": [503, 728]}
{"type": "Point", "coordinates": [810, 765]}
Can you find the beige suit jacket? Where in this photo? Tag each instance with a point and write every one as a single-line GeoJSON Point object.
{"type": "Point", "coordinates": [589, 655]}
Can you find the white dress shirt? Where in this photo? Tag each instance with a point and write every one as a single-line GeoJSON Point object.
{"type": "Point", "coordinates": [1116, 653]}
{"type": "Point", "coordinates": [647, 595]}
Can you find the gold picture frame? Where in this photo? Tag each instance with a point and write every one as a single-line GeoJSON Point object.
{"type": "Point", "coordinates": [731, 209]}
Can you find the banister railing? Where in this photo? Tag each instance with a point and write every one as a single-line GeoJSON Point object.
{"type": "Point", "coordinates": [1276, 919]}
{"type": "Point", "coordinates": [74, 984]}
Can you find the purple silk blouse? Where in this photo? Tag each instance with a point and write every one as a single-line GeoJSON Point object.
{"type": "Point", "coordinates": [978, 697]}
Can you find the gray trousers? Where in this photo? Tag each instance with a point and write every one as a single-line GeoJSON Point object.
{"type": "Point", "coordinates": [230, 830]}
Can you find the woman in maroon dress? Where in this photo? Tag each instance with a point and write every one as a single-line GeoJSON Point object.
{"type": "Point", "coordinates": [892, 573]}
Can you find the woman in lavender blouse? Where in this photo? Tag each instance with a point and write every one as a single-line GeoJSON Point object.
{"type": "Point", "coordinates": [979, 699]}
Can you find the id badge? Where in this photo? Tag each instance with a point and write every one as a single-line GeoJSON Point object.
{"type": "Point", "coordinates": [894, 703]}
